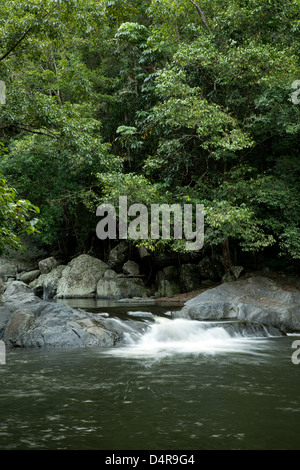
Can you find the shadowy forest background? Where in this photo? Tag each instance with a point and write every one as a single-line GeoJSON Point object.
{"type": "Point", "coordinates": [165, 101]}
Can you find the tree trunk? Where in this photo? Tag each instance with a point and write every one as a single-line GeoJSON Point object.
{"type": "Point", "coordinates": [226, 255]}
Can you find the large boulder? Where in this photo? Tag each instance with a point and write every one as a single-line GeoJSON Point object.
{"type": "Point", "coordinates": [113, 286]}
{"type": "Point", "coordinates": [28, 321]}
{"type": "Point", "coordinates": [80, 278]}
{"type": "Point", "coordinates": [17, 289]}
{"type": "Point", "coordinates": [271, 301]}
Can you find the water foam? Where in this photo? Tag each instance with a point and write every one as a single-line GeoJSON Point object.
{"type": "Point", "coordinates": [165, 336]}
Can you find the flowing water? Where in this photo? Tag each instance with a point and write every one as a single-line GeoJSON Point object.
{"type": "Point", "coordinates": [171, 384]}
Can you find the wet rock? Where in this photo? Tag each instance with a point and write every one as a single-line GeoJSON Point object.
{"type": "Point", "coordinates": [28, 321]}
{"type": "Point", "coordinates": [258, 299]}
{"type": "Point", "coordinates": [17, 327]}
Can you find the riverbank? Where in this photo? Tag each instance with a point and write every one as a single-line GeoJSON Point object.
{"type": "Point", "coordinates": [31, 314]}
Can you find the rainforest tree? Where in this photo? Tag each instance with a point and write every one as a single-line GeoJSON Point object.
{"type": "Point", "coordinates": [163, 101]}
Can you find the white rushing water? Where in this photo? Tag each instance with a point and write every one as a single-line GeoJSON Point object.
{"type": "Point", "coordinates": [165, 337]}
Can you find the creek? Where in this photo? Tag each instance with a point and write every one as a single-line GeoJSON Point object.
{"type": "Point", "coordinates": [171, 384]}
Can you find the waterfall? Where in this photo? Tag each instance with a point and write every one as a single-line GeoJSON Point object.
{"type": "Point", "coordinates": [165, 336]}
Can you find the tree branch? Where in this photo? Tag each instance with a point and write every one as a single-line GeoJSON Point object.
{"type": "Point", "coordinates": [21, 39]}
{"type": "Point", "coordinates": [33, 131]}
{"type": "Point", "coordinates": [201, 14]}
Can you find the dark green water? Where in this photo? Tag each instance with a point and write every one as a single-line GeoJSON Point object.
{"type": "Point", "coordinates": [241, 396]}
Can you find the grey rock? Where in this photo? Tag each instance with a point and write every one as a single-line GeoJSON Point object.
{"type": "Point", "coordinates": [30, 276]}
{"type": "Point", "coordinates": [15, 289]}
{"type": "Point", "coordinates": [46, 265]}
{"type": "Point", "coordinates": [257, 299]}
{"type": "Point", "coordinates": [46, 284]}
{"type": "Point", "coordinates": [18, 325]}
{"type": "Point", "coordinates": [79, 279]}
{"type": "Point", "coordinates": [7, 268]}
{"type": "Point", "coordinates": [117, 256]}
{"type": "Point", "coordinates": [110, 273]}
{"type": "Point", "coordinates": [131, 268]}
{"type": "Point", "coordinates": [121, 287]}
{"type": "Point", "coordinates": [28, 321]}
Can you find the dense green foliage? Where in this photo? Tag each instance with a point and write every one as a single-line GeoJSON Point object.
{"type": "Point", "coordinates": [160, 100]}
{"type": "Point", "coordinates": [16, 217]}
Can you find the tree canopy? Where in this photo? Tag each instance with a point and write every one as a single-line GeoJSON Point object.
{"type": "Point", "coordinates": [161, 100]}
